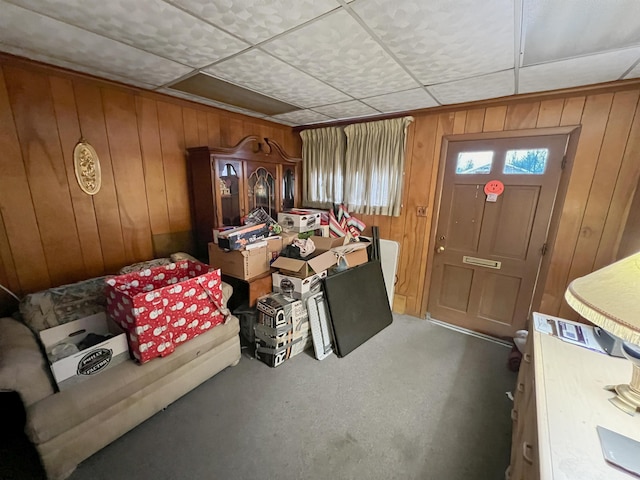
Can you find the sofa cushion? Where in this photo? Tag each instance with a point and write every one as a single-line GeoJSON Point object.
{"type": "Point", "coordinates": [22, 365]}
{"type": "Point", "coordinates": [136, 267]}
{"type": "Point", "coordinates": [62, 411]}
{"type": "Point", "coordinates": [59, 305]}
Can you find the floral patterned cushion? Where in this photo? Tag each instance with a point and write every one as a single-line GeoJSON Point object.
{"type": "Point", "coordinates": [136, 267]}
{"type": "Point", "coordinates": [59, 305]}
{"type": "Point", "coordinates": [176, 257]}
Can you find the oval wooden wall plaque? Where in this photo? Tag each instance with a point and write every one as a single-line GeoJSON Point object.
{"type": "Point", "coordinates": [87, 167]}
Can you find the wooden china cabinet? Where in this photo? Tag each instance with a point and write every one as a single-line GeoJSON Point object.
{"type": "Point", "coordinates": [227, 183]}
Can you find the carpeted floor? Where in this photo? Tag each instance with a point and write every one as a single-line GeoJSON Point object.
{"type": "Point", "coordinates": [418, 401]}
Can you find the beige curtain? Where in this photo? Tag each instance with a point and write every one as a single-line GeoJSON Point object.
{"type": "Point", "coordinates": [374, 165]}
{"type": "Point", "coordinates": [323, 152]}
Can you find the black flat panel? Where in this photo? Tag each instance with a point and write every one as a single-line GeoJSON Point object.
{"type": "Point", "coordinates": [358, 304]}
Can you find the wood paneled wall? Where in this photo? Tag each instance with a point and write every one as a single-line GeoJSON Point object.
{"type": "Point", "coordinates": [601, 186]}
{"type": "Point", "coordinates": [51, 232]}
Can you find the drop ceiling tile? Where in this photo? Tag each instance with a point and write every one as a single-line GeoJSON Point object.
{"type": "Point", "coordinates": [350, 109]}
{"type": "Point", "coordinates": [302, 117]}
{"type": "Point", "coordinates": [257, 20]}
{"type": "Point", "coordinates": [560, 30]}
{"type": "Point", "coordinates": [441, 40]}
{"type": "Point", "coordinates": [337, 50]}
{"type": "Point", "coordinates": [38, 57]}
{"type": "Point", "coordinates": [265, 74]}
{"type": "Point", "coordinates": [211, 103]}
{"type": "Point", "coordinates": [151, 25]}
{"type": "Point", "coordinates": [635, 73]}
{"type": "Point", "coordinates": [40, 35]}
{"type": "Point", "coordinates": [413, 99]}
{"type": "Point", "coordinates": [279, 120]}
{"type": "Point", "coordinates": [604, 67]}
{"type": "Point", "coordinates": [494, 85]}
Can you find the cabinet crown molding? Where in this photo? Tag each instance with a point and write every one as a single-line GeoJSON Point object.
{"type": "Point", "coordinates": [252, 148]}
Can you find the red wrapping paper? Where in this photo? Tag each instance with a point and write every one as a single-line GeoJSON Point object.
{"type": "Point", "coordinates": [163, 307]}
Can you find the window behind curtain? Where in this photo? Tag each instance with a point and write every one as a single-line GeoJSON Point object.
{"type": "Point", "coordinates": [361, 166]}
{"type": "Point", "coordinates": [323, 151]}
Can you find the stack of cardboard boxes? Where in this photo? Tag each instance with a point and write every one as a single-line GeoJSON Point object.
{"type": "Point", "coordinates": [281, 325]}
{"type": "Point", "coordinates": [282, 330]}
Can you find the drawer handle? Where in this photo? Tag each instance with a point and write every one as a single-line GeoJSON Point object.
{"type": "Point", "coordinates": [514, 415]}
{"type": "Point", "coordinates": [527, 358]}
{"type": "Point", "coordinates": [521, 387]}
{"type": "Point", "coordinates": [526, 447]}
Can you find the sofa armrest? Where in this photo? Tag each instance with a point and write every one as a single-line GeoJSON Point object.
{"type": "Point", "coordinates": [23, 367]}
{"type": "Point", "coordinates": [227, 291]}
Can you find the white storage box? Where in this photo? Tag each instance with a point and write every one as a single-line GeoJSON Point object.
{"type": "Point", "coordinates": [91, 361]}
{"type": "Point", "coordinates": [299, 220]}
{"type": "Point", "coordinates": [298, 288]}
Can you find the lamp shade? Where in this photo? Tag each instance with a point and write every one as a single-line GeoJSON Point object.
{"type": "Point", "coordinates": [610, 298]}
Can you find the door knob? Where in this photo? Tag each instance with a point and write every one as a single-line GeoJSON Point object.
{"type": "Point", "coordinates": [440, 249]}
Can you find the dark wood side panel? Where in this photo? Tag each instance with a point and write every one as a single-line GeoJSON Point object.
{"type": "Point", "coordinates": [149, 134]}
{"type": "Point", "coordinates": [69, 132]}
{"type": "Point", "coordinates": [124, 144]}
{"type": "Point", "coordinates": [175, 165]}
{"type": "Point", "coordinates": [33, 113]}
{"type": "Point", "coordinates": [18, 213]}
{"type": "Point", "coordinates": [105, 202]}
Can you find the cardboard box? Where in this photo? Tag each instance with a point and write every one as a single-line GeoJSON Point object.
{"type": "Point", "coordinates": [322, 231]}
{"type": "Point", "coordinates": [242, 264]}
{"type": "Point", "coordinates": [299, 220]}
{"type": "Point", "coordinates": [276, 310]}
{"type": "Point", "coordinates": [91, 361]}
{"type": "Point", "coordinates": [298, 288]}
{"type": "Point", "coordinates": [239, 237]}
{"type": "Point", "coordinates": [274, 246]}
{"type": "Point", "coordinates": [216, 232]}
{"type": "Point", "coordinates": [275, 349]}
{"type": "Point", "coordinates": [354, 254]}
{"type": "Point", "coordinates": [319, 261]}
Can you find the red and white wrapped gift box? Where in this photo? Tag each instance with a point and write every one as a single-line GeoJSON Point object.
{"type": "Point", "coordinates": [165, 306]}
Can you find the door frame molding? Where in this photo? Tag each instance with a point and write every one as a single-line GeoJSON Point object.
{"type": "Point", "coordinates": [573, 133]}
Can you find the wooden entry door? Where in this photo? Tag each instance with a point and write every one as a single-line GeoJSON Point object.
{"type": "Point", "coordinates": [488, 253]}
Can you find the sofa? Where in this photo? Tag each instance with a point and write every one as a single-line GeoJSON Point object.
{"type": "Point", "coordinates": [68, 426]}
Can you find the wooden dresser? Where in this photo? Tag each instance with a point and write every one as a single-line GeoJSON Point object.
{"type": "Point", "coordinates": [559, 401]}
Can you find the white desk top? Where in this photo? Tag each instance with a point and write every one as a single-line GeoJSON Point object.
{"type": "Point", "coordinates": [571, 402]}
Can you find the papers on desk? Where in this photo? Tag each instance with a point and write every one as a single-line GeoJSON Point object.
{"type": "Point", "coordinates": [568, 331]}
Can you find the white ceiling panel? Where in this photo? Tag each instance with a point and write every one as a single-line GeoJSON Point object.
{"type": "Point", "coordinates": [413, 99]}
{"type": "Point", "coordinates": [206, 101]}
{"type": "Point", "coordinates": [441, 40]}
{"type": "Point", "coordinates": [494, 85]}
{"type": "Point", "coordinates": [350, 109]}
{"type": "Point", "coordinates": [279, 120]}
{"type": "Point", "coordinates": [635, 73]}
{"type": "Point", "coordinates": [567, 29]}
{"type": "Point", "coordinates": [257, 20]}
{"type": "Point", "coordinates": [335, 59]}
{"type": "Point", "coordinates": [39, 34]}
{"type": "Point", "coordinates": [302, 117]}
{"type": "Point", "coordinates": [339, 51]}
{"type": "Point", "coordinates": [39, 57]}
{"type": "Point", "coordinates": [578, 71]}
{"type": "Point", "coordinates": [263, 73]}
{"type": "Point", "coordinates": [151, 25]}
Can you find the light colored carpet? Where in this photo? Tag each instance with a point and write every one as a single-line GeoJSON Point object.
{"type": "Point", "coordinates": [418, 401]}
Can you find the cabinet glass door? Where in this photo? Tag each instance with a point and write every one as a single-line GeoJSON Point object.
{"type": "Point", "coordinates": [229, 173]}
{"type": "Point", "coordinates": [261, 188]}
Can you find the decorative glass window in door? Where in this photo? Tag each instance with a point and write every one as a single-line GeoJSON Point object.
{"type": "Point", "coordinates": [262, 191]}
